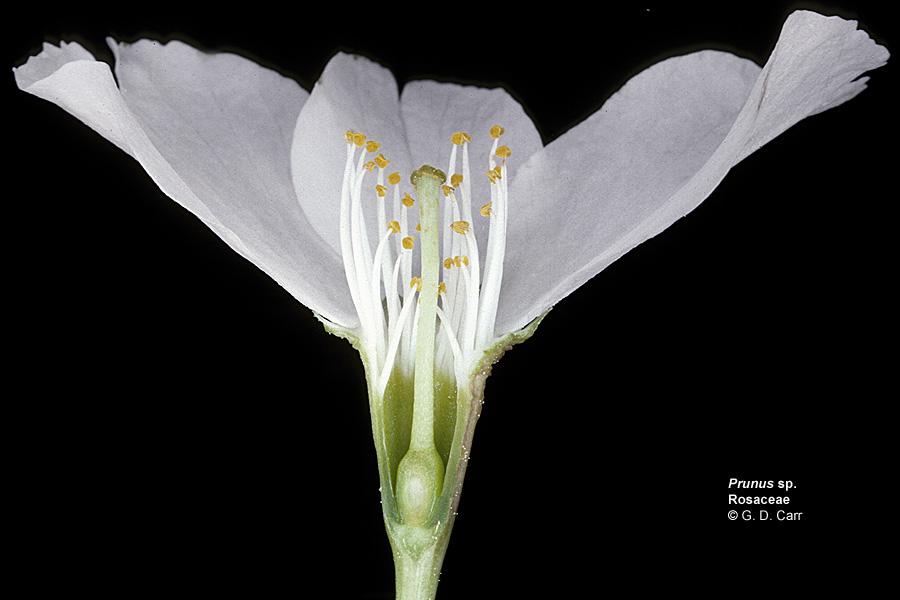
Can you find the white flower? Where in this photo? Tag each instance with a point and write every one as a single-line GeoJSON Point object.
{"type": "Point", "coordinates": [315, 189]}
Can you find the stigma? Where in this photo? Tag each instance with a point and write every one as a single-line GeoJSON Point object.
{"type": "Point", "coordinates": [379, 260]}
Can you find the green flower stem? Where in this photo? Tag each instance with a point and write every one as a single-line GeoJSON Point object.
{"type": "Point", "coordinates": [417, 576]}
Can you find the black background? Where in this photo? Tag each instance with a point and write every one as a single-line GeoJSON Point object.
{"type": "Point", "coordinates": [177, 423]}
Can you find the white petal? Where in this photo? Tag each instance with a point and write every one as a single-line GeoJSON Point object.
{"type": "Point", "coordinates": [53, 75]}
{"type": "Point", "coordinates": [49, 60]}
{"type": "Point", "coordinates": [356, 94]}
{"type": "Point", "coordinates": [815, 66]}
{"type": "Point", "coordinates": [657, 148]}
{"type": "Point", "coordinates": [433, 111]}
{"type": "Point", "coordinates": [213, 131]}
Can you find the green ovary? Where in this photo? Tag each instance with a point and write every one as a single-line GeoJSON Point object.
{"type": "Point", "coordinates": [398, 409]}
{"type": "Point", "coordinates": [420, 478]}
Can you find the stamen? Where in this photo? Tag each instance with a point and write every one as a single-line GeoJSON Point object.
{"type": "Point", "coordinates": [451, 339]}
{"type": "Point", "coordinates": [406, 342]}
{"type": "Point", "coordinates": [393, 178]}
{"type": "Point", "coordinates": [503, 152]}
{"type": "Point", "coordinates": [345, 229]}
{"type": "Point", "coordinates": [408, 244]}
{"type": "Point", "coordinates": [392, 326]}
{"type": "Point", "coordinates": [369, 166]}
{"type": "Point", "coordinates": [468, 294]}
{"type": "Point", "coordinates": [358, 253]}
{"type": "Point", "coordinates": [358, 238]}
{"type": "Point", "coordinates": [485, 210]}
{"type": "Point", "coordinates": [394, 226]}
{"type": "Point", "coordinates": [416, 283]}
{"type": "Point", "coordinates": [446, 190]}
{"type": "Point", "coordinates": [497, 131]}
{"type": "Point", "coordinates": [372, 146]}
{"type": "Point", "coordinates": [461, 302]}
{"type": "Point", "coordinates": [379, 262]}
{"type": "Point", "coordinates": [393, 345]}
{"type": "Point", "coordinates": [490, 251]}
{"type": "Point", "coordinates": [448, 263]}
{"type": "Point", "coordinates": [455, 180]}
{"type": "Point", "coordinates": [386, 259]}
{"type": "Point", "coordinates": [380, 190]}
{"type": "Point", "coordinates": [382, 162]}
{"type": "Point", "coordinates": [493, 272]}
{"type": "Point", "coordinates": [446, 242]}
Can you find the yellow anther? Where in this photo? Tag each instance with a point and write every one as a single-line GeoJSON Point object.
{"type": "Point", "coordinates": [485, 210]}
{"type": "Point", "coordinates": [372, 146]}
{"type": "Point", "coordinates": [442, 288]}
{"type": "Point", "coordinates": [394, 178]}
{"type": "Point", "coordinates": [460, 137]}
{"type": "Point", "coordinates": [456, 179]}
{"type": "Point", "coordinates": [359, 139]}
{"type": "Point", "coordinates": [416, 282]}
{"type": "Point", "coordinates": [408, 243]}
{"type": "Point", "coordinates": [494, 174]}
{"type": "Point", "coordinates": [448, 263]}
{"type": "Point", "coordinates": [465, 260]}
{"type": "Point", "coordinates": [418, 227]}
{"type": "Point", "coordinates": [407, 200]}
{"type": "Point", "coordinates": [447, 190]}
{"type": "Point", "coordinates": [460, 226]}
{"type": "Point", "coordinates": [349, 136]}
{"type": "Point", "coordinates": [503, 152]}
{"type": "Point", "coordinates": [394, 226]}
{"type": "Point", "coordinates": [457, 261]}
{"type": "Point", "coordinates": [369, 166]}
{"type": "Point", "coordinates": [497, 131]}
{"type": "Point", "coordinates": [381, 161]}
{"type": "Point", "coordinates": [380, 190]}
